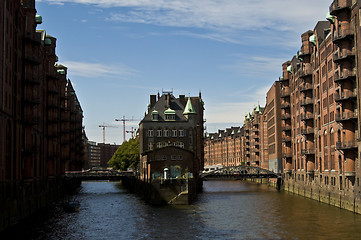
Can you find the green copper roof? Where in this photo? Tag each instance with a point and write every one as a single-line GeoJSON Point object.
{"type": "Point", "coordinates": [169, 111]}
{"type": "Point", "coordinates": [61, 71]}
{"type": "Point", "coordinates": [154, 112]}
{"type": "Point", "coordinates": [47, 41]}
{"type": "Point", "coordinates": [38, 19]}
{"type": "Point", "coordinates": [189, 108]}
{"type": "Point", "coordinates": [289, 69]}
{"type": "Point", "coordinates": [312, 39]}
{"type": "Point", "coordinates": [232, 132]}
{"type": "Point", "coordinates": [248, 116]}
{"type": "Point", "coordinates": [330, 17]}
{"type": "Point", "coordinates": [239, 130]}
{"type": "Point", "coordinates": [258, 109]}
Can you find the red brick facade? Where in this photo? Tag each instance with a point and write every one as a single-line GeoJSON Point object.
{"type": "Point", "coordinates": [41, 132]}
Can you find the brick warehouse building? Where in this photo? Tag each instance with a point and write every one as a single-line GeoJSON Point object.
{"type": "Point", "coordinates": [224, 147]}
{"type": "Point", "coordinates": [40, 116]}
{"type": "Point", "coordinates": [317, 113]}
{"type": "Point", "coordinates": [171, 148]}
{"type": "Point", "coordinates": [321, 82]}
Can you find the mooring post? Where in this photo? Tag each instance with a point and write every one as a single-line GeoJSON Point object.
{"type": "Point", "coordinates": [279, 182]}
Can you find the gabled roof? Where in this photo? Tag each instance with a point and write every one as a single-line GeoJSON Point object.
{"type": "Point", "coordinates": [163, 107]}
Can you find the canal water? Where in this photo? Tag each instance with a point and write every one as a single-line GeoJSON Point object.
{"type": "Point", "coordinates": [225, 210]}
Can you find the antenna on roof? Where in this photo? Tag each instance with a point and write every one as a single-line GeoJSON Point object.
{"type": "Point", "coordinates": [166, 92]}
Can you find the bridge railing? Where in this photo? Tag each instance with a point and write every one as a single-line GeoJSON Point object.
{"type": "Point", "coordinates": [241, 171]}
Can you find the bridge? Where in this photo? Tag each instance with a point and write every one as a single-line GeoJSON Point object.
{"type": "Point", "coordinates": [99, 174]}
{"type": "Point", "coordinates": [240, 172]}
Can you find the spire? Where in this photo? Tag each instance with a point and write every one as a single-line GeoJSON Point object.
{"type": "Point", "coordinates": [189, 108]}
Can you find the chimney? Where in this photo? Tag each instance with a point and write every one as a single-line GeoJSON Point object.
{"type": "Point", "coordinates": [153, 99]}
{"type": "Point", "coordinates": [168, 100]}
{"type": "Point", "coordinates": [182, 99]}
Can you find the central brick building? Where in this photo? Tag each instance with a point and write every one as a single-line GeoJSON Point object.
{"type": "Point", "coordinates": [171, 147]}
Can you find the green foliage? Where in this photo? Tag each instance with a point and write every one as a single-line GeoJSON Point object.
{"type": "Point", "coordinates": [126, 156]}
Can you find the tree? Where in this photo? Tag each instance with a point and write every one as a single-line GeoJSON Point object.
{"type": "Point", "coordinates": [126, 156]}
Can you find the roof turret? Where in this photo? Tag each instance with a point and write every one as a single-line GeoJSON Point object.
{"type": "Point", "coordinates": [189, 108]}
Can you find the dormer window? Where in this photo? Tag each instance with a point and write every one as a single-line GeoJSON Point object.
{"type": "Point", "coordinates": [169, 114]}
{"type": "Point", "coordinates": [155, 115]}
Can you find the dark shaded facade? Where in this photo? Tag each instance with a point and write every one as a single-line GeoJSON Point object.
{"type": "Point", "coordinates": [171, 147]}
{"type": "Point", "coordinates": [41, 132]}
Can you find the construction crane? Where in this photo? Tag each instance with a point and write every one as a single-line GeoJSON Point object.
{"type": "Point", "coordinates": [132, 132]}
{"type": "Point", "coordinates": [125, 120]}
{"type": "Point", "coordinates": [105, 126]}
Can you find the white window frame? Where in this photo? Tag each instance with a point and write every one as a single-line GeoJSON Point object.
{"type": "Point", "coordinates": [159, 133]}
{"type": "Point", "coordinates": [150, 133]}
{"type": "Point", "coordinates": [181, 133]}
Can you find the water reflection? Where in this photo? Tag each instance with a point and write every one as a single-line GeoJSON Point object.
{"type": "Point", "coordinates": [225, 210]}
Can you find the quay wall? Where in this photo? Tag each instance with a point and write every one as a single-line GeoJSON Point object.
{"type": "Point", "coordinates": [30, 197]}
{"type": "Point", "coordinates": [331, 195]}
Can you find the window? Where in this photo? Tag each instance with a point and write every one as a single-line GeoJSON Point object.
{"type": "Point", "coordinates": [174, 133]}
{"type": "Point", "coordinates": [181, 133]}
{"type": "Point", "coordinates": [170, 117]}
{"type": "Point", "coordinates": [150, 133]}
{"type": "Point", "coordinates": [174, 157]}
{"type": "Point", "coordinates": [159, 144]}
{"type": "Point", "coordinates": [155, 117]}
{"type": "Point", "coordinates": [159, 133]}
{"type": "Point", "coordinates": [181, 145]}
{"type": "Point", "coordinates": [150, 146]}
{"type": "Point", "coordinates": [166, 133]}
{"type": "Point", "coordinates": [180, 157]}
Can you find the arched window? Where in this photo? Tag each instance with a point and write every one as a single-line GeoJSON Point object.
{"type": "Point", "coordinates": [332, 137]}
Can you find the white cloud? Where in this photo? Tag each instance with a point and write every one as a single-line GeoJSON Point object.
{"type": "Point", "coordinates": [95, 70]}
{"type": "Point", "coordinates": [222, 15]}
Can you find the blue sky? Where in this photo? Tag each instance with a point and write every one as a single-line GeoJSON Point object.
{"type": "Point", "coordinates": [118, 52]}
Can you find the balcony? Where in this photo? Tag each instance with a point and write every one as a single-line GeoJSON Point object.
{"type": "Point", "coordinates": [303, 73]}
{"type": "Point", "coordinates": [305, 51]}
{"type": "Point", "coordinates": [32, 57]}
{"type": "Point", "coordinates": [31, 99]}
{"type": "Point", "coordinates": [346, 145]}
{"type": "Point", "coordinates": [344, 75]}
{"type": "Point", "coordinates": [344, 55]}
{"type": "Point", "coordinates": [344, 96]}
{"type": "Point", "coordinates": [306, 87]}
{"type": "Point", "coordinates": [286, 139]}
{"type": "Point", "coordinates": [285, 105]}
{"type": "Point", "coordinates": [306, 116]}
{"type": "Point", "coordinates": [308, 151]}
{"type": "Point", "coordinates": [286, 128]}
{"type": "Point", "coordinates": [306, 131]}
{"type": "Point", "coordinates": [285, 116]}
{"type": "Point", "coordinates": [286, 92]}
{"type": "Point", "coordinates": [340, 5]}
{"type": "Point", "coordinates": [53, 89]}
{"type": "Point", "coordinates": [342, 34]}
{"type": "Point", "coordinates": [307, 101]}
{"type": "Point", "coordinates": [33, 37]}
{"type": "Point", "coordinates": [287, 155]}
{"type": "Point", "coordinates": [348, 116]}
{"type": "Point", "coordinates": [32, 80]}
{"type": "Point", "coordinates": [52, 75]}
